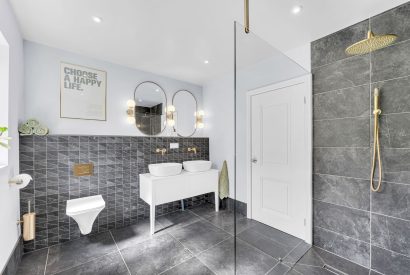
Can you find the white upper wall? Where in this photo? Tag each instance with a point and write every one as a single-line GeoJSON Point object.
{"type": "Point", "coordinates": [9, 196]}
{"type": "Point", "coordinates": [42, 92]}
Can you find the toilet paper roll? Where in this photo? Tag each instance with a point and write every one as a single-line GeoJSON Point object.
{"type": "Point", "coordinates": [21, 180]}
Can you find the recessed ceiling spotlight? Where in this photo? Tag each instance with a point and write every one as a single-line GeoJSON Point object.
{"type": "Point", "coordinates": [297, 9]}
{"type": "Point", "coordinates": [97, 19]}
{"type": "Point", "coordinates": [206, 61]}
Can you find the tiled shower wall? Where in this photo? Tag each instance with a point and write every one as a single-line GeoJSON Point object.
{"type": "Point", "coordinates": [118, 161]}
{"type": "Point", "coordinates": [371, 229]}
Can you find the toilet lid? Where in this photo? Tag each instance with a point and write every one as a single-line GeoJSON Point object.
{"type": "Point", "coordinates": [77, 206]}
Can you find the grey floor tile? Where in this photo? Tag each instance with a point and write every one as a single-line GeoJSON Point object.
{"type": "Point", "coordinates": [204, 210]}
{"type": "Point", "coordinates": [319, 258]}
{"type": "Point", "coordinates": [135, 234]}
{"type": "Point", "coordinates": [199, 236]}
{"type": "Point", "coordinates": [276, 235]}
{"type": "Point", "coordinates": [74, 253]}
{"type": "Point", "coordinates": [297, 253]}
{"type": "Point", "coordinates": [111, 264]}
{"type": "Point", "coordinates": [267, 245]}
{"type": "Point", "coordinates": [312, 270]}
{"type": "Point", "coordinates": [226, 221]}
{"type": "Point", "coordinates": [176, 220]}
{"type": "Point", "coordinates": [33, 263]}
{"type": "Point", "coordinates": [189, 267]}
{"type": "Point", "coordinates": [249, 260]}
{"type": "Point", "coordinates": [279, 269]}
{"type": "Point", "coordinates": [155, 256]}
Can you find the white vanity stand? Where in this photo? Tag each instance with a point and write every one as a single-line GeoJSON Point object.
{"type": "Point", "coordinates": [159, 190]}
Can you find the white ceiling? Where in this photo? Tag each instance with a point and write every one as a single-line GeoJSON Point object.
{"type": "Point", "coordinates": [174, 37]}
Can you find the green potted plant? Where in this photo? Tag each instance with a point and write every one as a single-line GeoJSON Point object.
{"type": "Point", "coordinates": [3, 139]}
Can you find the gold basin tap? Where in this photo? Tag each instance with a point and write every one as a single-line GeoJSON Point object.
{"type": "Point", "coordinates": [193, 149]}
{"type": "Point", "coordinates": [162, 151]}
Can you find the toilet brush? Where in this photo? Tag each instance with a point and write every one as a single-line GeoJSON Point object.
{"type": "Point", "coordinates": [29, 224]}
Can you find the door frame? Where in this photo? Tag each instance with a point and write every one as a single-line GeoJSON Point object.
{"type": "Point", "coordinates": [307, 80]}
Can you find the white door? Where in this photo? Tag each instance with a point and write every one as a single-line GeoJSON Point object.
{"type": "Point", "coordinates": [280, 156]}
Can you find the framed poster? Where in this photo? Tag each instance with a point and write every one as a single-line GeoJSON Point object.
{"type": "Point", "coordinates": [83, 92]}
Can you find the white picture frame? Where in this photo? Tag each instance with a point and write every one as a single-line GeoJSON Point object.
{"type": "Point", "coordinates": [83, 92]}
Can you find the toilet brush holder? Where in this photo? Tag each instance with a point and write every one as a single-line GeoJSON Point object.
{"type": "Point", "coordinates": [29, 225]}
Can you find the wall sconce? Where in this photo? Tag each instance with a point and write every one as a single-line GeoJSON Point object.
{"type": "Point", "coordinates": [199, 121]}
{"type": "Point", "coordinates": [131, 111]}
{"type": "Point", "coordinates": [170, 116]}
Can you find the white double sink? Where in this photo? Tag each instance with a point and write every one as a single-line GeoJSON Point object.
{"type": "Point", "coordinates": [167, 182]}
{"type": "Point", "coordinates": [172, 169]}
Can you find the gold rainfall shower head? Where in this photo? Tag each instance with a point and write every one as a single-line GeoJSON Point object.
{"type": "Point", "coordinates": [371, 43]}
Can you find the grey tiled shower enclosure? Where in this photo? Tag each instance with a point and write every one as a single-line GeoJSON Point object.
{"type": "Point", "coordinates": [118, 160]}
{"type": "Point", "coordinates": [371, 229]}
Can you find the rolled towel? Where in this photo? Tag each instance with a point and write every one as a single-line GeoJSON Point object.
{"type": "Point", "coordinates": [25, 130]}
{"type": "Point", "coordinates": [32, 123]}
{"type": "Point", "coordinates": [40, 130]}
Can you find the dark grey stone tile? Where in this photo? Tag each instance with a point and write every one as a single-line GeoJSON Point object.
{"type": "Point", "coordinates": [390, 233]}
{"type": "Point", "coordinates": [74, 253]}
{"type": "Point", "coordinates": [388, 262]}
{"type": "Point", "coordinates": [348, 162]}
{"type": "Point", "coordinates": [134, 234]}
{"type": "Point", "coordinates": [33, 263]}
{"type": "Point", "coordinates": [350, 72]}
{"type": "Point", "coordinates": [191, 266]}
{"type": "Point", "coordinates": [392, 200]}
{"type": "Point", "coordinates": [350, 102]}
{"type": "Point", "coordinates": [341, 190]}
{"type": "Point", "coordinates": [396, 21]}
{"type": "Point", "coordinates": [391, 62]}
{"type": "Point", "coordinates": [332, 47]}
{"type": "Point", "coordinates": [265, 244]}
{"type": "Point", "coordinates": [396, 165]}
{"type": "Point", "coordinates": [397, 128]}
{"type": "Point", "coordinates": [394, 95]}
{"type": "Point", "coordinates": [199, 236]}
{"type": "Point", "coordinates": [220, 259]}
{"type": "Point", "coordinates": [111, 264]}
{"type": "Point", "coordinates": [354, 250]}
{"type": "Point", "coordinates": [226, 221]}
{"type": "Point", "coordinates": [176, 220]}
{"type": "Point", "coordinates": [347, 132]}
{"type": "Point", "coordinates": [155, 256]}
{"type": "Point", "coordinates": [343, 220]}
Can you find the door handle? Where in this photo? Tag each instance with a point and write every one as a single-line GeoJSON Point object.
{"type": "Point", "coordinates": [254, 160]}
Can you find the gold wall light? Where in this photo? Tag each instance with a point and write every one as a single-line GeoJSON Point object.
{"type": "Point", "coordinates": [199, 121]}
{"type": "Point", "coordinates": [170, 116]}
{"type": "Point", "coordinates": [131, 111]}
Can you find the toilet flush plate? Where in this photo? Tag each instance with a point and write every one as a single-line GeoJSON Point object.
{"type": "Point", "coordinates": [83, 169]}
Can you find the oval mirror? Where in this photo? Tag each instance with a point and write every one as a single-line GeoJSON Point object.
{"type": "Point", "coordinates": [150, 103]}
{"type": "Point", "coordinates": [185, 108]}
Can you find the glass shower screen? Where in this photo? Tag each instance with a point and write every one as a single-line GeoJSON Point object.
{"type": "Point", "coordinates": [271, 229]}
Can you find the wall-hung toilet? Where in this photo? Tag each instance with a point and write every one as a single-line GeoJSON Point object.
{"type": "Point", "coordinates": [84, 211]}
